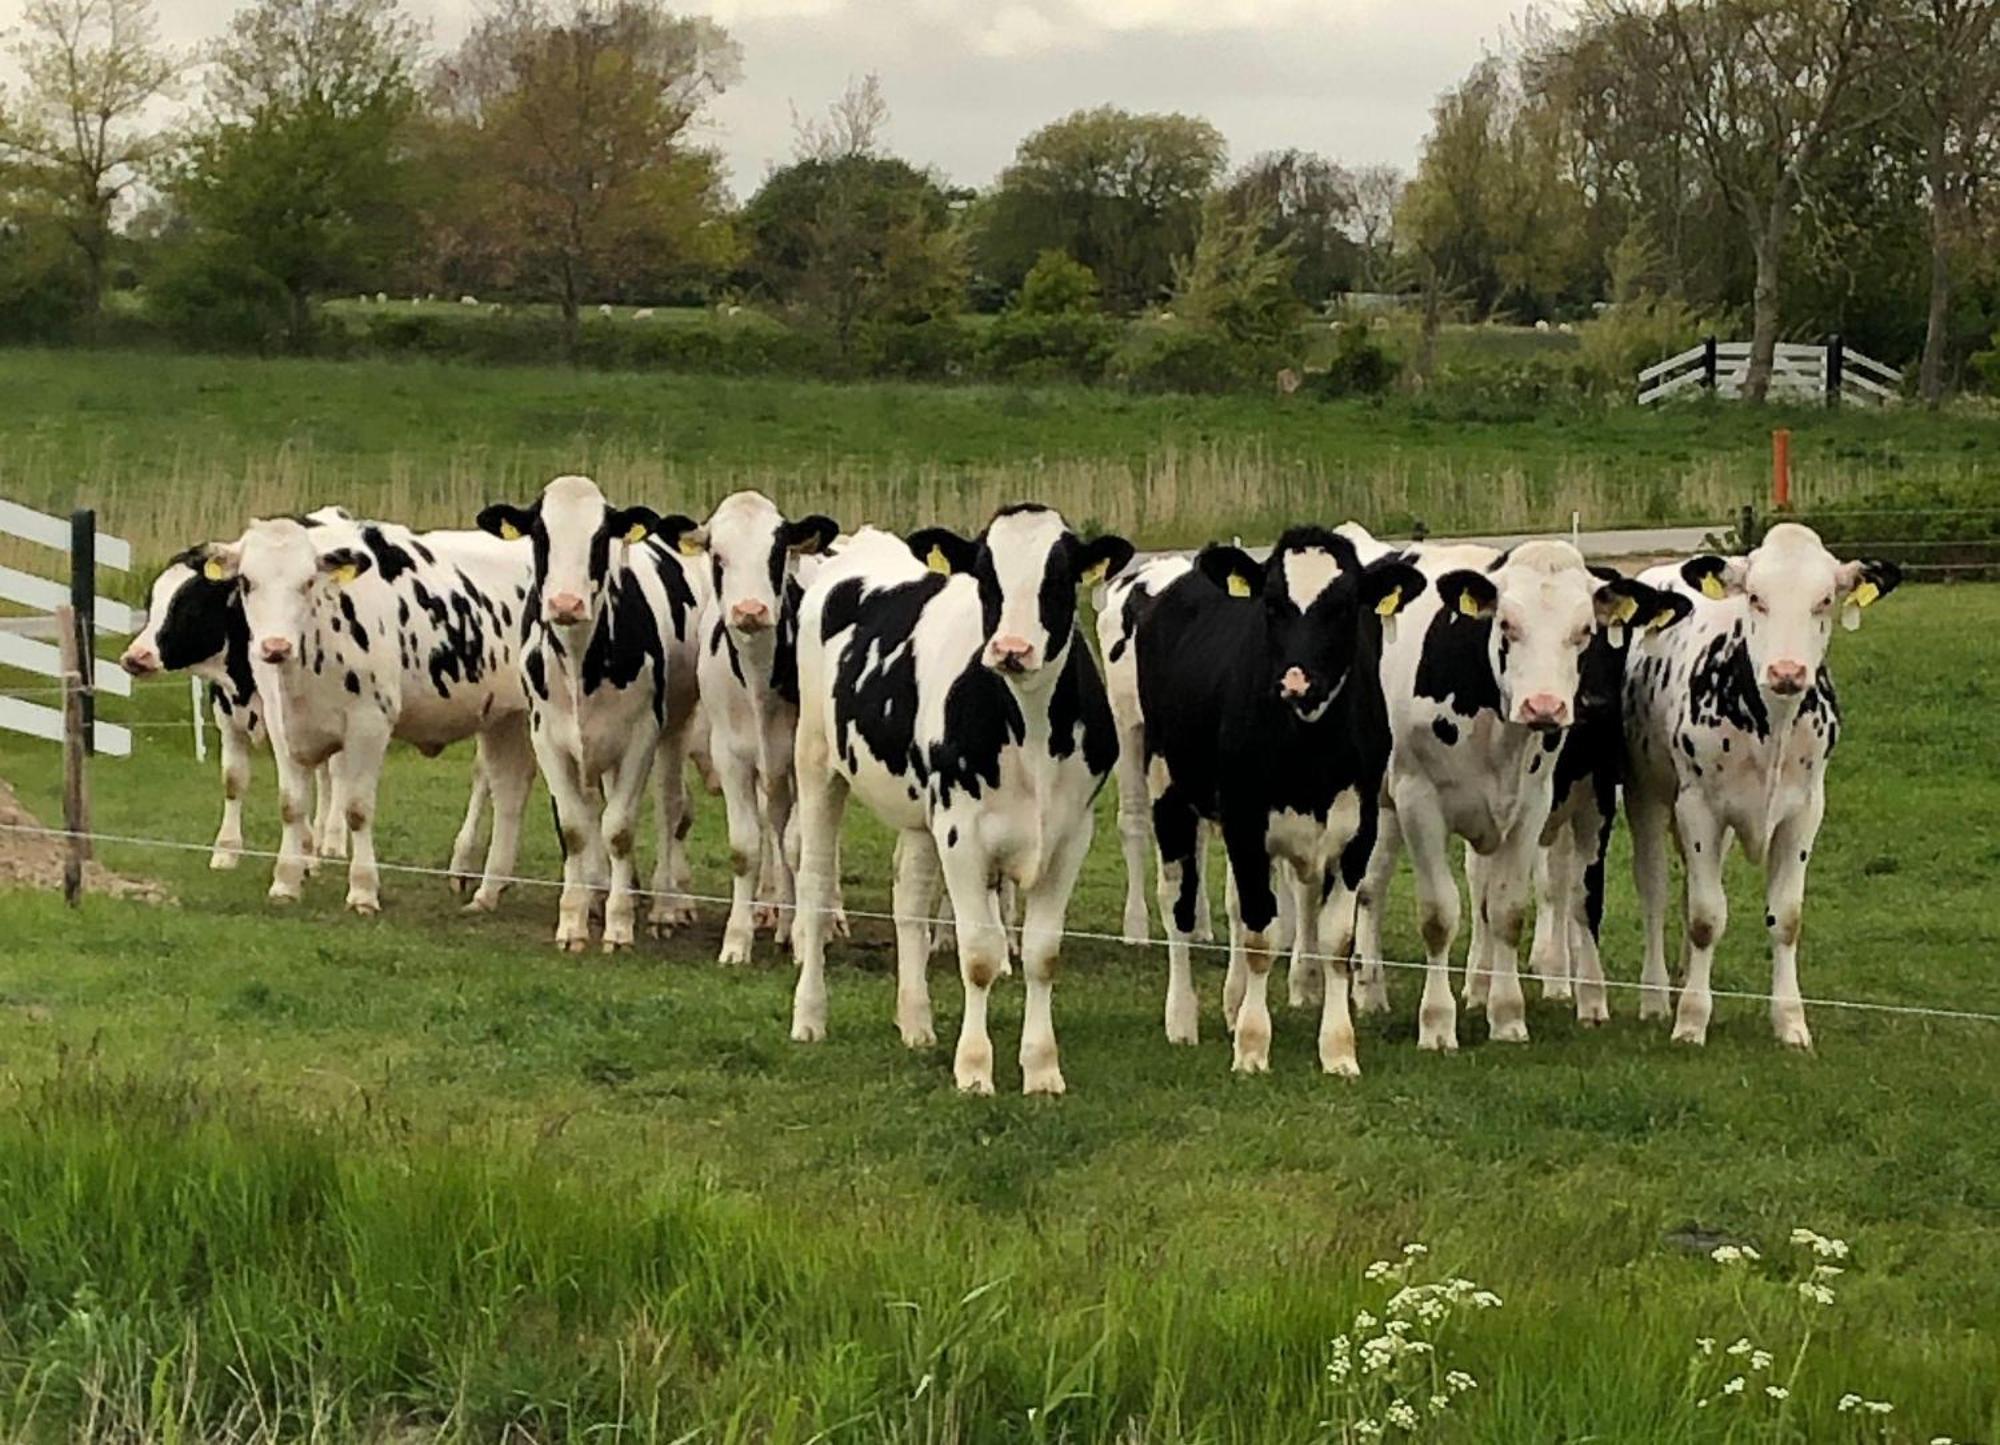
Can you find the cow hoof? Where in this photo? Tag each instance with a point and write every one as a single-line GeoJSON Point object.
{"type": "Point", "coordinates": [572, 945]}
{"type": "Point", "coordinates": [918, 1036]}
{"type": "Point", "coordinates": [279, 893]}
{"type": "Point", "coordinates": [1795, 1035]}
{"type": "Point", "coordinates": [1187, 1035]}
{"type": "Point", "coordinates": [1341, 1068]}
{"type": "Point", "coordinates": [1696, 1034]}
{"type": "Point", "coordinates": [1043, 1081]}
{"type": "Point", "coordinates": [1594, 1019]}
{"type": "Point", "coordinates": [1654, 1006]}
{"type": "Point", "coordinates": [1557, 993]}
{"type": "Point", "coordinates": [1514, 1031]}
{"type": "Point", "coordinates": [481, 903]}
{"type": "Point", "coordinates": [1371, 999]}
{"type": "Point", "coordinates": [365, 907]}
{"type": "Point", "coordinates": [804, 1032]}
{"type": "Point", "coordinates": [1249, 1063]}
{"type": "Point", "coordinates": [734, 952]}
{"type": "Point", "coordinates": [224, 859]}
{"type": "Point", "coordinates": [1437, 1040]}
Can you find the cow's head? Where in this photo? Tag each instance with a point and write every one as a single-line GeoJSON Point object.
{"type": "Point", "coordinates": [1790, 589]}
{"type": "Point", "coordinates": [1601, 674]}
{"type": "Point", "coordinates": [1028, 565]}
{"type": "Point", "coordinates": [1315, 594]}
{"type": "Point", "coordinates": [187, 616]}
{"type": "Point", "coordinates": [1545, 606]}
{"type": "Point", "coordinates": [753, 552]}
{"type": "Point", "coordinates": [577, 536]}
{"type": "Point", "coordinates": [282, 569]}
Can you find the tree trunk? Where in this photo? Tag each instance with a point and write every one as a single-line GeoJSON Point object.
{"type": "Point", "coordinates": [1937, 324]}
{"type": "Point", "coordinates": [298, 323]}
{"type": "Point", "coordinates": [572, 331]}
{"type": "Point", "coordinates": [1769, 244]}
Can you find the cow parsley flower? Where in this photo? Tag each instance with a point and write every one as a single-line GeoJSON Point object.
{"type": "Point", "coordinates": [1818, 1293]}
{"type": "Point", "coordinates": [1368, 1429]}
{"type": "Point", "coordinates": [1704, 1346]}
{"type": "Point", "coordinates": [1760, 1359]}
{"type": "Point", "coordinates": [1415, 1251]}
{"type": "Point", "coordinates": [1402, 1415]}
{"type": "Point", "coordinates": [1849, 1403]}
{"type": "Point", "coordinates": [1379, 1270]}
{"type": "Point", "coordinates": [1442, 1403]}
{"type": "Point", "coordinates": [1734, 1386]}
{"type": "Point", "coordinates": [1741, 1348]}
{"type": "Point", "coordinates": [1734, 1254]}
{"type": "Point", "coordinates": [1458, 1382]}
{"type": "Point", "coordinates": [1777, 1392]}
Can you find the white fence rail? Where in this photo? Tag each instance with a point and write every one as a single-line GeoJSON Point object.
{"type": "Point", "coordinates": [84, 549]}
{"type": "Point", "coordinates": [1799, 372]}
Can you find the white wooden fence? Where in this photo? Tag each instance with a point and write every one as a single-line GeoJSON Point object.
{"type": "Point", "coordinates": [1799, 372]}
{"type": "Point", "coordinates": [19, 647]}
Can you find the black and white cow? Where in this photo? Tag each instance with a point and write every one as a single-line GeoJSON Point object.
{"type": "Point", "coordinates": [758, 561]}
{"type": "Point", "coordinates": [1481, 680]}
{"type": "Point", "coordinates": [608, 656]}
{"type": "Point", "coordinates": [1569, 870]}
{"type": "Point", "coordinates": [1731, 720]}
{"type": "Point", "coordinates": [1261, 690]}
{"type": "Point", "coordinates": [960, 701]}
{"type": "Point", "coordinates": [366, 631]}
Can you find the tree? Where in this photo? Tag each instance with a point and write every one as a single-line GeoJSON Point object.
{"type": "Point", "coordinates": [79, 134]}
{"type": "Point", "coordinates": [1760, 88]}
{"type": "Point", "coordinates": [301, 171]}
{"type": "Point", "coordinates": [1378, 190]}
{"type": "Point", "coordinates": [1121, 193]}
{"type": "Point", "coordinates": [1308, 202]}
{"type": "Point", "coordinates": [1238, 283]}
{"type": "Point", "coordinates": [565, 123]}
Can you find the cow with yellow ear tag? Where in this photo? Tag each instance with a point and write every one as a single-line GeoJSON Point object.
{"type": "Point", "coordinates": [608, 656]}
{"type": "Point", "coordinates": [1731, 722]}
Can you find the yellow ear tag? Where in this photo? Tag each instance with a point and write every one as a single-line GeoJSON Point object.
{"type": "Point", "coordinates": [1238, 586]}
{"type": "Point", "coordinates": [1469, 605]}
{"type": "Point", "coordinates": [938, 562]}
{"type": "Point", "coordinates": [1661, 619]}
{"type": "Point", "coordinates": [1863, 594]}
{"type": "Point", "coordinates": [1624, 609]}
{"type": "Point", "coordinates": [1388, 606]}
{"type": "Point", "coordinates": [690, 545]}
{"type": "Point", "coordinates": [1712, 588]}
{"type": "Point", "coordinates": [509, 532]}
{"type": "Point", "coordinates": [636, 533]}
{"type": "Point", "coordinates": [345, 573]}
{"type": "Point", "coordinates": [212, 570]}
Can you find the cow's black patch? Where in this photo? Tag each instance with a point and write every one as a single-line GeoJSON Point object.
{"type": "Point", "coordinates": [1446, 730]}
{"type": "Point", "coordinates": [1454, 666]}
{"type": "Point", "coordinates": [391, 560]}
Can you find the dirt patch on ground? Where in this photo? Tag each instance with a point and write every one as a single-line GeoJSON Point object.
{"type": "Point", "coordinates": [35, 860]}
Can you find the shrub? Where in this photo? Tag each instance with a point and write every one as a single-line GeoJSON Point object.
{"type": "Point", "coordinates": [206, 295]}
{"type": "Point", "coordinates": [1360, 366]}
{"type": "Point", "coordinates": [42, 295]}
{"type": "Point", "coordinates": [1630, 336]}
{"type": "Point", "coordinates": [1192, 359]}
{"type": "Point", "coordinates": [1057, 285]}
{"type": "Point", "coordinates": [932, 349]}
{"type": "Point", "coordinates": [1036, 346]}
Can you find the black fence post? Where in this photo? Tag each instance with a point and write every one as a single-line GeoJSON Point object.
{"type": "Point", "coordinates": [1746, 527]}
{"type": "Point", "coordinates": [83, 603]}
{"type": "Point", "coordinates": [1836, 364]}
{"type": "Point", "coordinates": [1708, 363]}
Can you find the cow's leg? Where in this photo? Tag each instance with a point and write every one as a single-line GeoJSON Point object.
{"type": "Point", "coordinates": [1649, 817]}
{"type": "Point", "coordinates": [1252, 929]}
{"type": "Point", "coordinates": [1553, 877]}
{"type": "Point", "coordinates": [576, 822]}
{"type": "Point", "coordinates": [1701, 836]}
{"type": "Point", "coordinates": [1047, 904]}
{"type": "Point", "coordinates": [1234, 979]}
{"type": "Point", "coordinates": [1135, 829]}
{"type": "Point", "coordinates": [1478, 948]}
{"type": "Point", "coordinates": [915, 896]}
{"type": "Point", "coordinates": [779, 802]}
{"type": "Point", "coordinates": [624, 795]}
{"type": "Point", "coordinates": [1784, 909]}
{"type": "Point", "coordinates": [1336, 941]}
{"type": "Point", "coordinates": [507, 767]}
{"type": "Point", "coordinates": [357, 772]}
{"type": "Point", "coordinates": [982, 953]}
{"type": "Point", "coordinates": [1371, 987]}
{"type": "Point", "coordinates": [1590, 838]}
{"type": "Point", "coordinates": [329, 830]}
{"type": "Point", "coordinates": [1509, 874]}
{"type": "Point", "coordinates": [1423, 827]}
{"type": "Point", "coordinates": [668, 907]}
{"type": "Point", "coordinates": [294, 803]}
{"type": "Point", "coordinates": [465, 846]}
{"type": "Point", "coordinates": [1177, 834]}
{"type": "Point", "coordinates": [736, 768]}
{"type": "Point", "coordinates": [822, 800]}
{"type": "Point", "coordinates": [235, 750]}
{"type": "Point", "coordinates": [1306, 974]}
{"type": "Point", "coordinates": [1204, 909]}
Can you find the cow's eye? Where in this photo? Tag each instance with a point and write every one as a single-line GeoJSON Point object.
{"type": "Point", "coordinates": [1758, 604]}
{"type": "Point", "coordinates": [1510, 630]}
{"type": "Point", "coordinates": [1825, 603]}
{"type": "Point", "coordinates": [1580, 638]}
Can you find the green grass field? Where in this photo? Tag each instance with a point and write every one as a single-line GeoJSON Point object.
{"type": "Point", "coordinates": [295, 1175]}
{"type": "Point", "coordinates": [176, 449]}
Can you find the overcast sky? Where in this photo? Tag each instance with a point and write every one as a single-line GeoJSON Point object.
{"type": "Point", "coordinates": [965, 80]}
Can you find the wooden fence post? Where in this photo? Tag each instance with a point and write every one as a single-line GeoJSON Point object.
{"type": "Point", "coordinates": [76, 784]}
{"type": "Point", "coordinates": [83, 599]}
{"type": "Point", "coordinates": [1708, 363]}
{"type": "Point", "coordinates": [1836, 365]}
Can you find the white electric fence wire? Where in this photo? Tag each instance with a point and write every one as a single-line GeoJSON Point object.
{"type": "Point", "coordinates": [1080, 934]}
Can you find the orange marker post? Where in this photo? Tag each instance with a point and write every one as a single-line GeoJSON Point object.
{"type": "Point", "coordinates": [1781, 469]}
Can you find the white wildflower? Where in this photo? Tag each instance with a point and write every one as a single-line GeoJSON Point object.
{"type": "Point", "coordinates": [1364, 1321]}
{"type": "Point", "coordinates": [1741, 1348]}
{"type": "Point", "coordinates": [1848, 1403]}
{"type": "Point", "coordinates": [1486, 1300]}
{"type": "Point", "coordinates": [1398, 1327]}
{"type": "Point", "coordinates": [1704, 1346]}
{"type": "Point", "coordinates": [1941, 1440]}
{"type": "Point", "coordinates": [1827, 1271]}
{"type": "Point", "coordinates": [1760, 1359]}
{"type": "Point", "coordinates": [1415, 1251]}
{"type": "Point", "coordinates": [1402, 1415]}
{"type": "Point", "coordinates": [1819, 1294]}
{"type": "Point", "coordinates": [1726, 1254]}
{"type": "Point", "coordinates": [1803, 1236]}
{"type": "Point", "coordinates": [1878, 1407]}
{"type": "Point", "coordinates": [1368, 1429]}
{"type": "Point", "coordinates": [1458, 1382]}
{"type": "Point", "coordinates": [1380, 1269]}
{"type": "Point", "coordinates": [1442, 1403]}
{"type": "Point", "coordinates": [1735, 1386]}
{"type": "Point", "coordinates": [1777, 1392]}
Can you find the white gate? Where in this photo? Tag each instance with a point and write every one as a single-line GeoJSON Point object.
{"type": "Point", "coordinates": [1799, 372]}
{"type": "Point", "coordinates": [86, 549]}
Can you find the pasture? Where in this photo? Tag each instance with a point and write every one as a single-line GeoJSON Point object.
{"type": "Point", "coordinates": [296, 1175]}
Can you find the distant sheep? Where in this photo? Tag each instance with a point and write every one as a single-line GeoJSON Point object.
{"type": "Point", "coordinates": [381, 298]}
{"type": "Point", "coordinates": [468, 300]}
{"type": "Point", "coordinates": [604, 308]}
{"type": "Point", "coordinates": [733, 311]}
{"type": "Point", "coordinates": [1567, 329]}
{"type": "Point", "coordinates": [1542, 326]}
{"type": "Point", "coordinates": [644, 313]}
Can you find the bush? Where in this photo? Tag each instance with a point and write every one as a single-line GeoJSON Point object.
{"type": "Point", "coordinates": [1360, 366]}
{"type": "Point", "coordinates": [1034, 346]}
{"type": "Point", "coordinates": [205, 295]}
{"type": "Point", "coordinates": [41, 296]}
{"type": "Point", "coordinates": [933, 349]}
{"type": "Point", "coordinates": [1192, 359]}
{"type": "Point", "coordinates": [1057, 285]}
{"type": "Point", "coordinates": [1630, 336]}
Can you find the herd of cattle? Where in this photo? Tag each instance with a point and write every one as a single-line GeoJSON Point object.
{"type": "Point", "coordinates": [1322, 710]}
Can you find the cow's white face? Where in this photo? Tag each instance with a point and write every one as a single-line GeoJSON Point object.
{"type": "Point", "coordinates": [1028, 565]}
{"type": "Point", "coordinates": [577, 537]}
{"type": "Point", "coordinates": [281, 574]}
{"type": "Point", "coordinates": [1791, 590]}
{"type": "Point", "coordinates": [1545, 606]}
{"type": "Point", "coordinates": [753, 552]}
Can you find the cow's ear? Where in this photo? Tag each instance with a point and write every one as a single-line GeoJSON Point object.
{"type": "Point", "coordinates": [1603, 573]}
{"type": "Point", "coordinates": [218, 561]}
{"type": "Point", "coordinates": [809, 536]}
{"type": "Point", "coordinates": [1391, 585]}
{"type": "Point", "coordinates": [1101, 558]}
{"type": "Point", "coordinates": [943, 550]}
{"type": "Point", "coordinates": [632, 525]}
{"type": "Point", "coordinates": [680, 533]}
{"type": "Point", "coordinates": [1663, 609]}
{"type": "Point", "coordinates": [344, 564]}
{"type": "Point", "coordinates": [1231, 569]}
{"type": "Point", "coordinates": [1861, 583]}
{"type": "Point", "coordinates": [1468, 594]}
{"type": "Point", "coordinates": [508, 522]}
{"type": "Point", "coordinates": [1713, 577]}
{"type": "Point", "coordinates": [1619, 603]}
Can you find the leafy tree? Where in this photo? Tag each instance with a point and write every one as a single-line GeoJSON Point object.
{"type": "Point", "coordinates": [1055, 327]}
{"type": "Point", "coordinates": [1371, 222]}
{"type": "Point", "coordinates": [1058, 285]}
{"type": "Point", "coordinates": [79, 135]}
{"type": "Point", "coordinates": [1238, 283]}
{"type": "Point", "coordinates": [301, 173]}
{"type": "Point", "coordinates": [1309, 203]}
{"type": "Point", "coordinates": [1122, 193]}
{"type": "Point", "coordinates": [565, 129]}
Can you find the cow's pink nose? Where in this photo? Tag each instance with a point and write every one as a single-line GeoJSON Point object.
{"type": "Point", "coordinates": [1293, 683]}
{"type": "Point", "coordinates": [1013, 653]}
{"type": "Point", "coordinates": [564, 607]}
{"type": "Point", "coordinates": [750, 615]}
{"type": "Point", "coordinates": [1786, 678]}
{"type": "Point", "coordinates": [1544, 710]}
{"type": "Point", "coordinates": [140, 661]}
{"type": "Point", "coordinates": [275, 649]}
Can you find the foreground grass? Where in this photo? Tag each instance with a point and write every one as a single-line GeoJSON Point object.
{"type": "Point", "coordinates": [176, 449]}
{"type": "Point", "coordinates": [297, 1175]}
